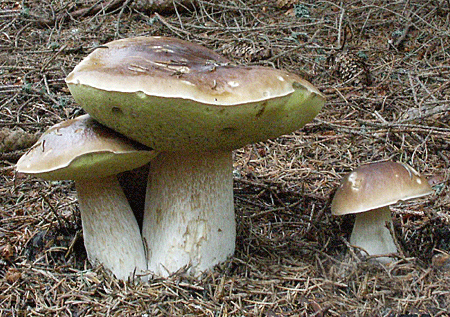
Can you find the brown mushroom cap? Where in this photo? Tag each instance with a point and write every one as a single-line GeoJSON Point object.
{"type": "Point", "coordinates": [80, 149]}
{"type": "Point", "coordinates": [377, 185]}
{"type": "Point", "coordinates": [175, 95]}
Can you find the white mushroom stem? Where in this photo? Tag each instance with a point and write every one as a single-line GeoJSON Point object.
{"type": "Point", "coordinates": [371, 234]}
{"type": "Point", "coordinates": [189, 213]}
{"type": "Point", "coordinates": [111, 233]}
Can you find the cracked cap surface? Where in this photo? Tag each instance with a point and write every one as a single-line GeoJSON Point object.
{"type": "Point", "coordinates": [171, 95]}
{"type": "Point", "coordinates": [82, 148]}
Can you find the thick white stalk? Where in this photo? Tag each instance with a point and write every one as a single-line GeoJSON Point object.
{"type": "Point", "coordinates": [189, 213]}
{"type": "Point", "coordinates": [371, 234]}
{"type": "Point", "coordinates": [110, 230]}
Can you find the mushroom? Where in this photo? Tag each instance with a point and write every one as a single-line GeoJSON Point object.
{"type": "Point", "coordinates": [195, 108]}
{"type": "Point", "coordinates": [368, 192]}
{"type": "Point", "coordinates": [93, 155]}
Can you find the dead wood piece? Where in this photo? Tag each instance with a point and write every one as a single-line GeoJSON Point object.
{"type": "Point", "coordinates": [160, 5]}
{"type": "Point", "coordinates": [106, 6]}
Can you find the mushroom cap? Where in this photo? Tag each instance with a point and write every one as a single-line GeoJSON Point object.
{"type": "Point", "coordinates": [175, 95]}
{"type": "Point", "coordinates": [377, 185]}
{"type": "Point", "coordinates": [81, 149]}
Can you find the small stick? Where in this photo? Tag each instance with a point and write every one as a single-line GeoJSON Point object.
{"type": "Point", "coordinates": [174, 29]}
{"type": "Point", "coordinates": [402, 37]}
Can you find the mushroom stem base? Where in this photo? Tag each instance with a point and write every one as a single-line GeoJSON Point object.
{"type": "Point", "coordinates": [371, 234]}
{"type": "Point", "coordinates": [189, 215]}
{"type": "Point", "coordinates": [111, 233]}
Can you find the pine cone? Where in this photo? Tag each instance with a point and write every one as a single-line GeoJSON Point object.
{"type": "Point", "coordinates": [13, 140]}
{"type": "Point", "coordinates": [351, 68]}
{"type": "Point", "coordinates": [246, 52]}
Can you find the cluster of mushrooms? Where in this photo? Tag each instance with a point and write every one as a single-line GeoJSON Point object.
{"type": "Point", "coordinates": [175, 111]}
{"type": "Point", "coordinates": [183, 109]}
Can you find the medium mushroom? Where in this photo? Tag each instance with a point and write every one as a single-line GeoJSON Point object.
{"type": "Point", "coordinates": [93, 155]}
{"type": "Point", "coordinates": [368, 192]}
{"type": "Point", "coordinates": [194, 107]}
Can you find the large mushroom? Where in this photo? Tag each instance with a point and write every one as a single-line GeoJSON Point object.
{"type": "Point", "coordinates": [194, 107]}
{"type": "Point", "coordinates": [368, 191]}
{"type": "Point", "coordinates": [93, 155]}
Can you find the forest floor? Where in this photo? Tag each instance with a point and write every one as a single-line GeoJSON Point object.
{"type": "Point", "coordinates": [384, 67]}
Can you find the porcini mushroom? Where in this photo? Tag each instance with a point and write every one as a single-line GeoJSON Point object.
{"type": "Point", "coordinates": [92, 155]}
{"type": "Point", "coordinates": [368, 192]}
{"type": "Point", "coordinates": [194, 107]}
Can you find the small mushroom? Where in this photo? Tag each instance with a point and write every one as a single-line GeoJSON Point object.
{"type": "Point", "coordinates": [194, 107]}
{"type": "Point", "coordinates": [368, 192]}
{"type": "Point", "coordinates": [93, 155]}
